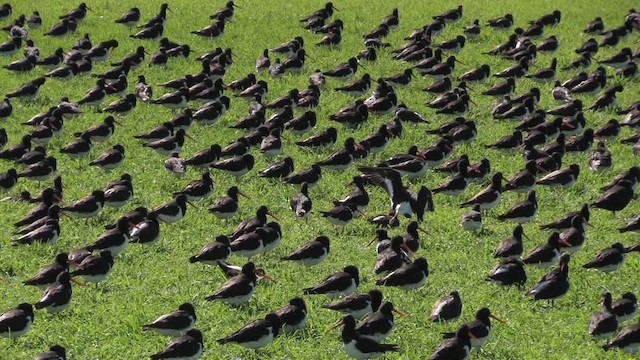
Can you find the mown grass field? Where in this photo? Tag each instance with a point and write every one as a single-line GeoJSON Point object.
{"type": "Point", "coordinates": [105, 323]}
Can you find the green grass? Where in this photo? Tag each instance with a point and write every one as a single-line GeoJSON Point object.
{"type": "Point", "coordinates": [105, 323]}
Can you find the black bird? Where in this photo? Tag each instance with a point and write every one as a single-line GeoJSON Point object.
{"type": "Point", "coordinates": [488, 197]}
{"type": "Point", "coordinates": [55, 352]}
{"type": "Point", "coordinates": [24, 64]}
{"type": "Point", "coordinates": [198, 189]}
{"type": "Point", "coordinates": [238, 289]}
{"type": "Point", "coordinates": [187, 346]}
{"type": "Point", "coordinates": [480, 327]}
{"type": "Point", "coordinates": [358, 346]}
{"type": "Point", "coordinates": [409, 276]}
{"type": "Point", "coordinates": [508, 272]}
{"type": "Point", "coordinates": [173, 211]}
{"type": "Point", "coordinates": [47, 275]}
{"type": "Point", "coordinates": [311, 253]}
{"type": "Point", "coordinates": [160, 132]}
{"type": "Point", "coordinates": [457, 347]}
{"type": "Point", "coordinates": [110, 159]}
{"type": "Point", "coordinates": [257, 333]}
{"type": "Point", "coordinates": [504, 22]}
{"type": "Point", "coordinates": [130, 18]}
{"type": "Point", "coordinates": [523, 211]}
{"type": "Point", "coordinates": [512, 246]}
{"type": "Point", "coordinates": [226, 206]}
{"type": "Point", "coordinates": [625, 307]}
{"type": "Point", "coordinates": [301, 203]}
{"type": "Point", "coordinates": [546, 254]}
{"type": "Point", "coordinates": [147, 230]}
{"type": "Point", "coordinates": [325, 138]}
{"type": "Point", "coordinates": [343, 71]}
{"type": "Point", "coordinates": [338, 284]}
{"type": "Point", "coordinates": [57, 296]}
{"type": "Point", "coordinates": [604, 323]}
{"type": "Point", "coordinates": [213, 253]}
{"type": "Point", "coordinates": [176, 323]}
{"type": "Point", "coordinates": [554, 284]}
{"type": "Point", "coordinates": [235, 166]}
{"type": "Point", "coordinates": [168, 144]}
{"type": "Point", "coordinates": [94, 268]}
{"type": "Point", "coordinates": [40, 171]}
{"type": "Point", "coordinates": [149, 33]}
{"type": "Point", "coordinates": [608, 259]}
{"type": "Point", "coordinates": [615, 198]}
{"type": "Point", "coordinates": [293, 316]}
{"type": "Point", "coordinates": [447, 308]}
{"type": "Point", "coordinates": [626, 340]}
{"type": "Point", "coordinates": [16, 322]}
{"type": "Point", "coordinates": [62, 28]}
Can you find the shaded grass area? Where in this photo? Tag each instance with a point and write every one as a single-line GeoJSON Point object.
{"type": "Point", "coordinates": [105, 321]}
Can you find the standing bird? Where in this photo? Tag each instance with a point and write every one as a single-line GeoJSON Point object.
{"type": "Point", "coordinates": [16, 322]}
{"type": "Point", "coordinates": [94, 268]}
{"type": "Point", "coordinates": [176, 323]}
{"type": "Point", "coordinates": [554, 284]}
{"type": "Point", "coordinates": [512, 246]}
{"type": "Point", "coordinates": [615, 198]}
{"type": "Point", "coordinates": [213, 253]}
{"type": "Point", "coordinates": [480, 327]}
{"type": "Point", "coordinates": [457, 347]}
{"type": "Point", "coordinates": [447, 308]}
{"type": "Point", "coordinates": [509, 271]}
{"type": "Point", "coordinates": [409, 276]}
{"type": "Point", "coordinates": [489, 196]}
{"type": "Point", "coordinates": [226, 206]}
{"type": "Point", "coordinates": [608, 259]}
{"type": "Point", "coordinates": [130, 18]}
{"type": "Point", "coordinates": [310, 253]}
{"type": "Point", "coordinates": [187, 346]}
{"type": "Point", "coordinates": [301, 203]}
{"type": "Point", "coordinates": [604, 323]}
{"type": "Point", "coordinates": [57, 296]}
{"type": "Point", "coordinates": [293, 316]}
{"type": "Point", "coordinates": [86, 207]}
{"type": "Point", "coordinates": [238, 289]}
{"type": "Point", "coordinates": [627, 340]}
{"type": "Point", "coordinates": [338, 284]}
{"type": "Point", "coordinates": [48, 274]}
{"type": "Point", "coordinates": [523, 211]}
{"type": "Point", "coordinates": [256, 334]}
{"type": "Point", "coordinates": [360, 347]}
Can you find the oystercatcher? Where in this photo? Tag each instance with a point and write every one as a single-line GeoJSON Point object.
{"type": "Point", "coordinates": [213, 253]}
{"type": "Point", "coordinates": [523, 211]}
{"type": "Point", "coordinates": [409, 276]}
{"type": "Point", "coordinates": [360, 347]}
{"type": "Point", "coordinates": [114, 240]}
{"type": "Point", "coordinates": [554, 284]}
{"type": "Point", "coordinates": [110, 159]}
{"type": "Point", "coordinates": [47, 275]}
{"type": "Point", "coordinates": [457, 347]}
{"type": "Point", "coordinates": [604, 323]}
{"type": "Point", "coordinates": [257, 333]}
{"type": "Point", "coordinates": [226, 206]}
{"type": "Point", "coordinates": [57, 296]}
{"type": "Point", "coordinates": [512, 246]}
{"type": "Point", "coordinates": [16, 322]}
{"type": "Point", "coordinates": [235, 166]}
{"type": "Point", "coordinates": [176, 323]}
{"type": "Point", "coordinates": [238, 289]}
{"type": "Point", "coordinates": [338, 284]}
{"type": "Point", "coordinates": [509, 271]}
{"type": "Point", "coordinates": [187, 346]}
{"type": "Point", "coordinates": [480, 327]}
{"type": "Point", "coordinates": [343, 158]}
{"type": "Point", "coordinates": [86, 207]}
{"type": "Point", "coordinates": [626, 340]}
{"type": "Point", "coordinates": [625, 307]}
{"type": "Point", "coordinates": [198, 189]}
{"type": "Point", "coordinates": [169, 144]}
{"type": "Point", "coordinates": [55, 352]}
{"type": "Point", "coordinates": [147, 231]}
{"type": "Point", "coordinates": [94, 268]}
{"type": "Point", "coordinates": [293, 316]}
{"type": "Point", "coordinates": [447, 308]}
{"type": "Point", "coordinates": [546, 254]}
{"type": "Point", "coordinates": [174, 210]}
{"type": "Point", "coordinates": [489, 196]}
{"type": "Point", "coordinates": [301, 203]}
{"type": "Point", "coordinates": [615, 198]}
{"type": "Point", "coordinates": [608, 259]}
